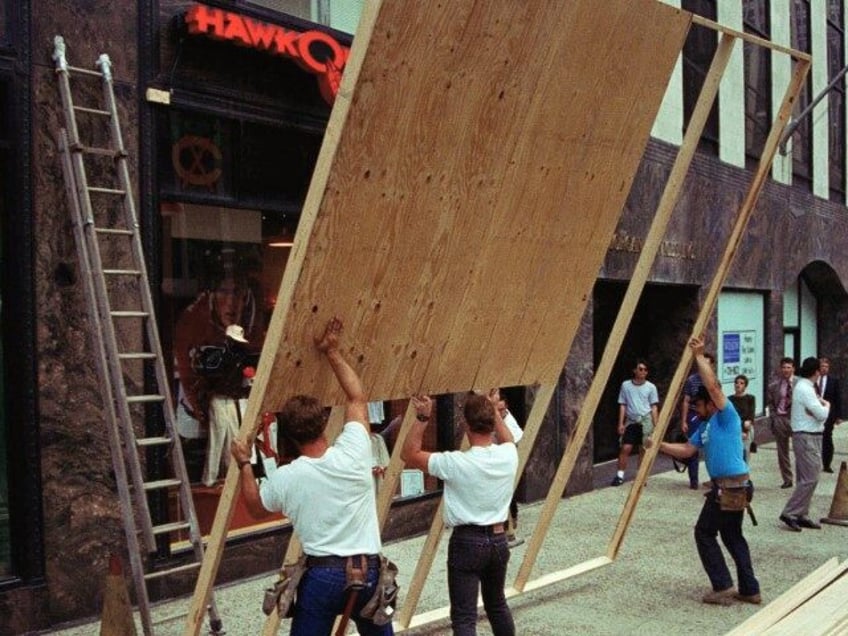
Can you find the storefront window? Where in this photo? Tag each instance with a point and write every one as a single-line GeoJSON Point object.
{"type": "Point", "coordinates": [5, 534]}
{"type": "Point", "coordinates": [230, 198]}
{"type": "Point", "coordinates": [299, 8]}
{"type": "Point", "coordinates": [230, 195]}
{"type": "Point", "coordinates": [5, 14]}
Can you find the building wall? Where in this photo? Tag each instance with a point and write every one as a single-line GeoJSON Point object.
{"type": "Point", "coordinates": [793, 231]}
{"type": "Point", "coordinates": [80, 514]}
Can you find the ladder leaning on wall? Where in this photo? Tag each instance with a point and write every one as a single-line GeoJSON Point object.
{"type": "Point", "coordinates": [106, 228]}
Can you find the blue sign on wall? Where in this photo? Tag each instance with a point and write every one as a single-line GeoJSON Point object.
{"type": "Point", "coordinates": [738, 354]}
{"type": "Point", "coordinates": [731, 347]}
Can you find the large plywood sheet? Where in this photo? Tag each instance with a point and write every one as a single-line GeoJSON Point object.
{"type": "Point", "coordinates": [473, 173]}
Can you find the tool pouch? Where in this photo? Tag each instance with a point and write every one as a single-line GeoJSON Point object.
{"type": "Point", "coordinates": [734, 493]}
{"type": "Point", "coordinates": [282, 595]}
{"type": "Point", "coordinates": [381, 606]}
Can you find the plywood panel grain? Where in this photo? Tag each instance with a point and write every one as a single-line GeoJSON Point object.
{"type": "Point", "coordinates": [462, 207]}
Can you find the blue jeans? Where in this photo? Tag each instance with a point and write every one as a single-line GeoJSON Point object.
{"type": "Point", "coordinates": [712, 522]}
{"type": "Point", "coordinates": [321, 596]}
{"type": "Point", "coordinates": [477, 560]}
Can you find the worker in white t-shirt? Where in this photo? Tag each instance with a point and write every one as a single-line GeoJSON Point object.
{"type": "Point", "coordinates": [477, 489]}
{"type": "Point", "coordinates": [328, 493]}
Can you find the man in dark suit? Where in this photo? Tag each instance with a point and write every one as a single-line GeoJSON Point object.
{"type": "Point", "coordinates": [780, 403]}
{"type": "Point", "coordinates": [828, 387]}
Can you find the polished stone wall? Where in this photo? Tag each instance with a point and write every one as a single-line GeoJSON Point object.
{"type": "Point", "coordinates": [82, 525]}
{"type": "Point", "coordinates": [789, 231]}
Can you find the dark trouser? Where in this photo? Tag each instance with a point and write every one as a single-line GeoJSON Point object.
{"type": "Point", "coordinates": [782, 431]}
{"type": "Point", "coordinates": [321, 596]}
{"type": "Point", "coordinates": [692, 468]}
{"type": "Point", "coordinates": [712, 522]}
{"type": "Point", "coordinates": [477, 560]}
{"type": "Point", "coordinates": [827, 444]}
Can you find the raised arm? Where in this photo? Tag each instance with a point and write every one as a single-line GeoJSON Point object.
{"type": "Point", "coordinates": [502, 433]}
{"type": "Point", "coordinates": [356, 408]}
{"type": "Point", "coordinates": [411, 453]}
{"type": "Point", "coordinates": [241, 452]}
{"type": "Point", "coordinates": [707, 373]}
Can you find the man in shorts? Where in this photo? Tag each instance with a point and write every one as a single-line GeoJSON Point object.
{"type": "Point", "coordinates": [637, 415]}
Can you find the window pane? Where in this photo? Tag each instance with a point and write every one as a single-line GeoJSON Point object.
{"type": "Point", "coordinates": [196, 156]}
{"type": "Point", "coordinates": [757, 79]}
{"type": "Point", "coordinates": [802, 147]}
{"type": "Point", "coordinates": [5, 202]}
{"type": "Point", "coordinates": [836, 100]}
{"type": "Point", "coordinates": [299, 8]}
{"type": "Point", "coordinates": [698, 52]}
{"type": "Point", "coordinates": [5, 16]}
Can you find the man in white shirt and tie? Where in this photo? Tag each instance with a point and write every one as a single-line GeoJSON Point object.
{"type": "Point", "coordinates": [807, 418]}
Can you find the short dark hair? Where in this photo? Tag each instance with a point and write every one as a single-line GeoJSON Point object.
{"type": "Point", "coordinates": [787, 360]}
{"type": "Point", "coordinates": [702, 394]}
{"type": "Point", "coordinates": [809, 367]}
{"type": "Point", "coordinates": [303, 419]}
{"type": "Point", "coordinates": [742, 377]}
{"type": "Point", "coordinates": [479, 413]}
{"type": "Point", "coordinates": [643, 362]}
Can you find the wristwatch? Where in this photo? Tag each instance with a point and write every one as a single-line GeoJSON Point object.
{"type": "Point", "coordinates": [422, 418]}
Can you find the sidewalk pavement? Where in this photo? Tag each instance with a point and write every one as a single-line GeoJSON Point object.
{"type": "Point", "coordinates": [654, 586]}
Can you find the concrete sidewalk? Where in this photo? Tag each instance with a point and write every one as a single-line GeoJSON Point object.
{"type": "Point", "coordinates": [653, 587]}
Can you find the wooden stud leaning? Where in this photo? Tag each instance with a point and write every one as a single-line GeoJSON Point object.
{"type": "Point", "coordinates": [639, 278]}
{"type": "Point", "coordinates": [802, 66]}
{"type": "Point", "coordinates": [818, 615]}
{"type": "Point", "coordinates": [791, 599]}
{"type": "Point", "coordinates": [255, 406]}
{"type": "Point", "coordinates": [395, 468]}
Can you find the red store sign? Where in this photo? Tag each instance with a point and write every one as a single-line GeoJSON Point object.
{"type": "Point", "coordinates": [218, 24]}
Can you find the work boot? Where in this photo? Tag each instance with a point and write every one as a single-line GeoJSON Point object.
{"type": "Point", "coordinates": [754, 599]}
{"type": "Point", "coordinates": [722, 597]}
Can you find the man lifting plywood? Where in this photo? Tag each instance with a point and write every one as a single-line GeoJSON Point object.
{"type": "Point", "coordinates": [463, 132]}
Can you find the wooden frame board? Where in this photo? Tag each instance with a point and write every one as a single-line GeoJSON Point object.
{"type": "Point", "coordinates": [478, 150]}
{"type": "Point", "coordinates": [791, 599]}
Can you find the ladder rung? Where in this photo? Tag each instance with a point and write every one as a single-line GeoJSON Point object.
{"type": "Point", "coordinates": [181, 568]}
{"type": "Point", "coordinates": [161, 483]}
{"type": "Point", "coordinates": [141, 355]}
{"type": "Point", "coordinates": [122, 272]}
{"type": "Point", "coordinates": [109, 230]}
{"type": "Point", "coordinates": [153, 441]}
{"type": "Point", "coordinates": [129, 314]}
{"type": "Point", "coordinates": [93, 111]}
{"type": "Point", "coordinates": [165, 528]}
{"type": "Point", "coordinates": [136, 399]}
{"type": "Point", "coordinates": [107, 191]}
{"type": "Point", "coordinates": [84, 71]}
{"type": "Point", "coordinates": [91, 150]}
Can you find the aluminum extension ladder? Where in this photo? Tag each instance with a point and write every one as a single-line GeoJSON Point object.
{"type": "Point", "coordinates": [106, 228]}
